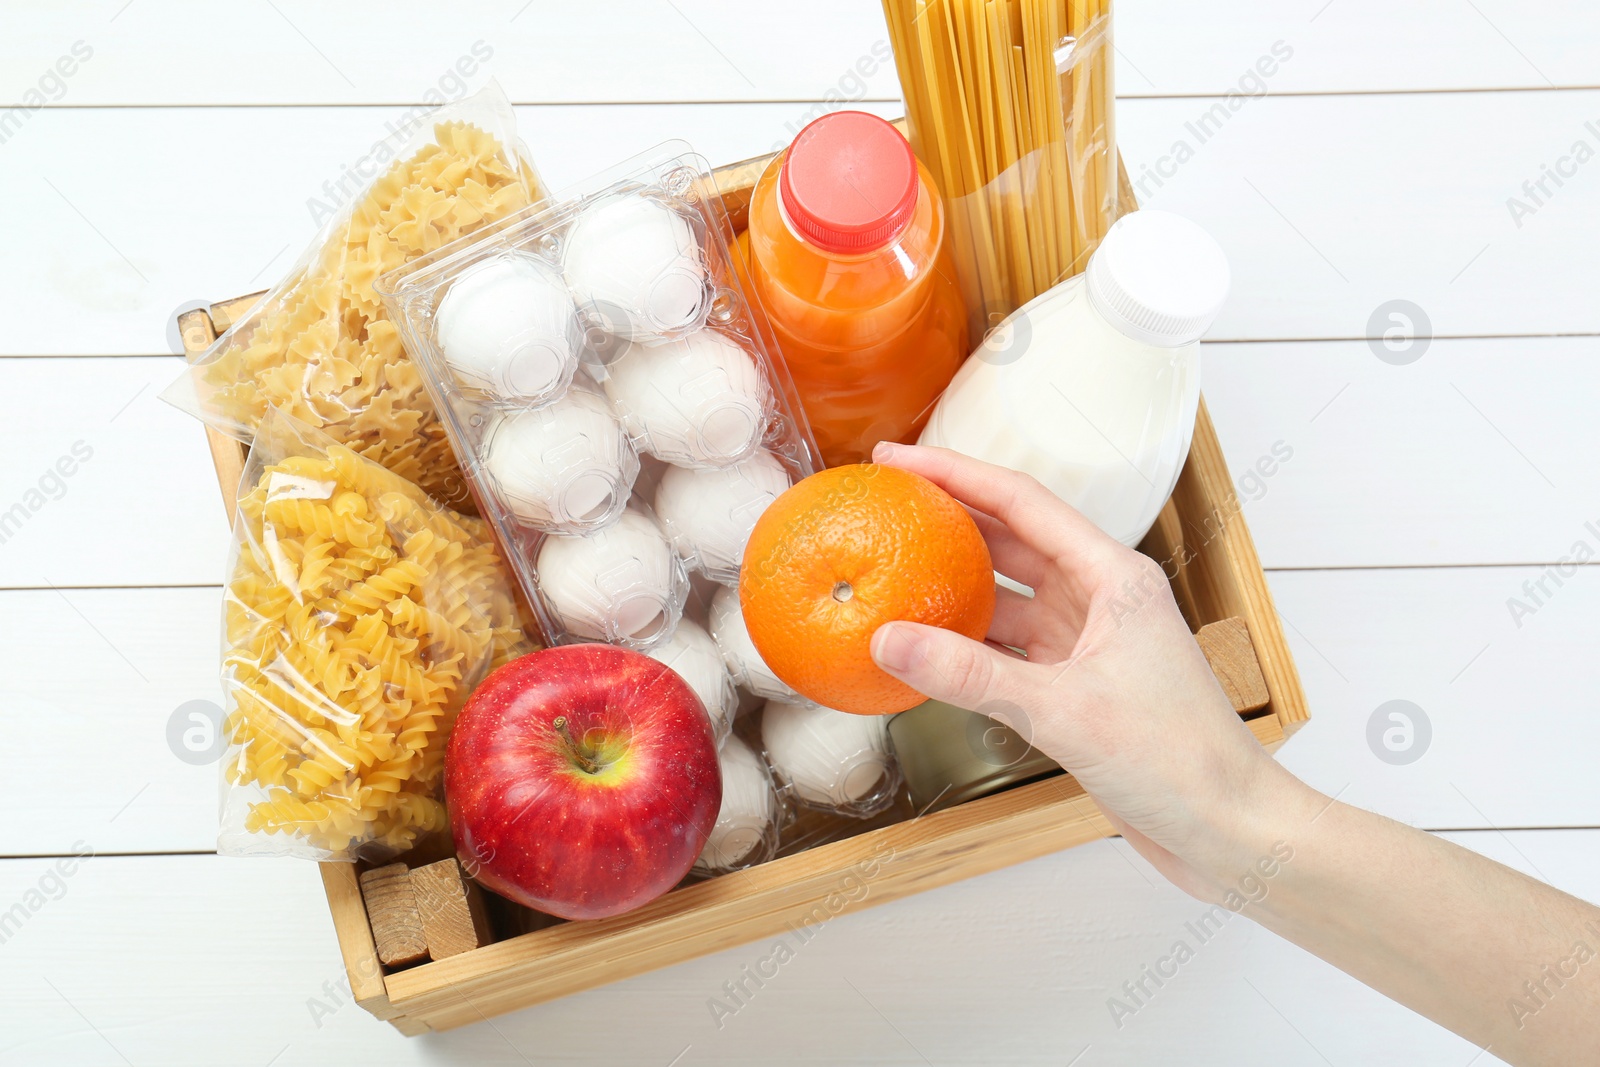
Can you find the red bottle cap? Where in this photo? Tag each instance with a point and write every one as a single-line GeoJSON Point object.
{"type": "Point", "coordinates": [849, 182]}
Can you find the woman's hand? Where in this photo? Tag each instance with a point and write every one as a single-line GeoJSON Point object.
{"type": "Point", "coordinates": [1115, 689]}
{"type": "Point", "coordinates": [1113, 686]}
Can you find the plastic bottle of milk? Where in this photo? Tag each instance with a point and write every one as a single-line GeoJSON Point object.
{"type": "Point", "coordinates": [1092, 386]}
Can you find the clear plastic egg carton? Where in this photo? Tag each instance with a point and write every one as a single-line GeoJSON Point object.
{"type": "Point", "coordinates": [830, 760]}
{"type": "Point", "coordinates": [751, 816]}
{"type": "Point", "coordinates": [565, 345]}
{"type": "Point", "coordinates": [796, 775]}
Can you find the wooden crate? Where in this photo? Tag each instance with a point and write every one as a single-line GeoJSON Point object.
{"type": "Point", "coordinates": [1202, 538]}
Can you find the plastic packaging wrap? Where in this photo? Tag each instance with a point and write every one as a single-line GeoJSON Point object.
{"type": "Point", "coordinates": [358, 615]}
{"type": "Point", "coordinates": [655, 352]}
{"type": "Point", "coordinates": [1010, 105]}
{"type": "Point", "coordinates": [320, 345]}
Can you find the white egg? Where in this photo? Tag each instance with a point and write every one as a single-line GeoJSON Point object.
{"type": "Point", "coordinates": [739, 652]}
{"type": "Point", "coordinates": [508, 327]}
{"type": "Point", "coordinates": [694, 655]}
{"type": "Point", "coordinates": [698, 401]}
{"type": "Point", "coordinates": [564, 467]}
{"type": "Point", "coordinates": [832, 759]}
{"type": "Point", "coordinates": [622, 584]}
{"type": "Point", "coordinates": [744, 831]}
{"type": "Point", "coordinates": [710, 512]}
{"type": "Point", "coordinates": [635, 266]}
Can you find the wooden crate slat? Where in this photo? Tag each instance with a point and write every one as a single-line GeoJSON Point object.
{"type": "Point", "coordinates": [356, 946]}
{"type": "Point", "coordinates": [1225, 573]}
{"type": "Point", "coordinates": [450, 908]}
{"type": "Point", "coordinates": [1227, 648]}
{"type": "Point", "coordinates": [393, 916]}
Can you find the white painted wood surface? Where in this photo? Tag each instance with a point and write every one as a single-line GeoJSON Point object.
{"type": "Point", "coordinates": [188, 52]}
{"type": "Point", "coordinates": [1328, 206]}
{"type": "Point", "coordinates": [1419, 499]}
{"type": "Point", "coordinates": [201, 960]}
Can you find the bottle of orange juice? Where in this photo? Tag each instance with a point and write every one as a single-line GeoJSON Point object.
{"type": "Point", "coordinates": [849, 255]}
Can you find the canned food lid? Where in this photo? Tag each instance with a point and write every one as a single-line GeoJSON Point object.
{"type": "Point", "coordinates": [950, 755]}
{"type": "Point", "coordinates": [849, 182]}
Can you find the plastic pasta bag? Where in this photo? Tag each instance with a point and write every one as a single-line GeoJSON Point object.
{"type": "Point", "coordinates": [320, 346]}
{"type": "Point", "coordinates": [358, 615]}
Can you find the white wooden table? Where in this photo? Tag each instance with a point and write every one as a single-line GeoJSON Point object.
{"type": "Point", "coordinates": [174, 164]}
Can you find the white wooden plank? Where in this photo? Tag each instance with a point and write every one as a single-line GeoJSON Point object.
{"type": "Point", "coordinates": [91, 678]}
{"type": "Point", "coordinates": [1475, 453]}
{"type": "Point", "coordinates": [212, 203]}
{"type": "Point", "coordinates": [1329, 207]}
{"type": "Point", "coordinates": [160, 959]}
{"type": "Point", "coordinates": [301, 52]}
{"type": "Point", "coordinates": [1509, 700]}
{"type": "Point", "coordinates": [103, 483]}
{"type": "Point", "coordinates": [89, 681]}
{"type": "Point", "coordinates": [1167, 47]}
{"type": "Point", "coordinates": [366, 53]}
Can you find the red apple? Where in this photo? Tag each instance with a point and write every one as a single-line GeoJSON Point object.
{"type": "Point", "coordinates": [582, 780]}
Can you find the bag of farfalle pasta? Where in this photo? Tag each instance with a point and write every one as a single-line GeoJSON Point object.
{"type": "Point", "coordinates": [358, 615]}
{"type": "Point", "coordinates": [319, 345]}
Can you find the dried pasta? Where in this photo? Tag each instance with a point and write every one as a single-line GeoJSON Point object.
{"type": "Point", "coordinates": [1010, 107]}
{"type": "Point", "coordinates": [357, 617]}
{"type": "Point", "coordinates": [322, 349]}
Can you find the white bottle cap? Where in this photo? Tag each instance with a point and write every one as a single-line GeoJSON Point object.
{"type": "Point", "coordinates": [1158, 278]}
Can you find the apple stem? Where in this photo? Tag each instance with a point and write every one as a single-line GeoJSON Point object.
{"type": "Point", "coordinates": [573, 748]}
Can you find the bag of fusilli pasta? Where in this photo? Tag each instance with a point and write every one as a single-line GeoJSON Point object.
{"type": "Point", "coordinates": [319, 345]}
{"type": "Point", "coordinates": [358, 615]}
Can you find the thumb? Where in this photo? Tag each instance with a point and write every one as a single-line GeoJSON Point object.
{"type": "Point", "coordinates": [943, 664]}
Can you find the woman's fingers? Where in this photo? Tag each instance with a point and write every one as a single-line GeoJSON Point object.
{"type": "Point", "coordinates": [947, 666]}
{"type": "Point", "coordinates": [1011, 557]}
{"type": "Point", "coordinates": [1038, 517]}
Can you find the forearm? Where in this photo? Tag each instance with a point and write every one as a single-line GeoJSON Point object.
{"type": "Point", "coordinates": [1126, 702]}
{"type": "Point", "coordinates": [1503, 960]}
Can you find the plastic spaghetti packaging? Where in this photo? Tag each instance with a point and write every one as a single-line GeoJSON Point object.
{"type": "Point", "coordinates": [1010, 105]}
{"type": "Point", "coordinates": [358, 615]}
{"type": "Point", "coordinates": [320, 345]}
{"type": "Point", "coordinates": [603, 376]}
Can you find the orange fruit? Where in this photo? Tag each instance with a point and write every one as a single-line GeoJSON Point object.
{"type": "Point", "coordinates": [845, 551]}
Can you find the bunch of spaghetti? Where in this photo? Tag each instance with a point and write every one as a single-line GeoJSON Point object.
{"type": "Point", "coordinates": [1009, 104]}
{"type": "Point", "coordinates": [322, 347]}
{"type": "Point", "coordinates": [358, 616]}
